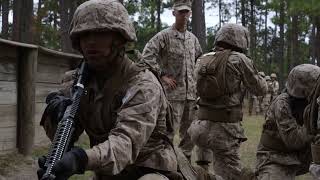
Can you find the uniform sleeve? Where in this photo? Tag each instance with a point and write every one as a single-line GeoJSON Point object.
{"type": "Point", "coordinates": [135, 123]}
{"type": "Point", "coordinates": [256, 84]}
{"type": "Point", "coordinates": [198, 49]}
{"type": "Point", "coordinates": [293, 135]}
{"type": "Point", "coordinates": [152, 53]}
{"type": "Point", "coordinates": [276, 87]}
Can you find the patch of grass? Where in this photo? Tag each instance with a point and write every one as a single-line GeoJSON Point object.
{"type": "Point", "coordinates": [11, 162]}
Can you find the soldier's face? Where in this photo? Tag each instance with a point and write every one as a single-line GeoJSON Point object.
{"type": "Point", "coordinates": [182, 16]}
{"type": "Point", "coordinates": [97, 48]}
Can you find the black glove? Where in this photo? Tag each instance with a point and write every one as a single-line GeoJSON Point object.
{"type": "Point", "coordinates": [57, 105]}
{"type": "Point", "coordinates": [72, 162]}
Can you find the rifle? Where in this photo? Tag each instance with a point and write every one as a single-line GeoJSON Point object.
{"type": "Point", "coordinates": [66, 127]}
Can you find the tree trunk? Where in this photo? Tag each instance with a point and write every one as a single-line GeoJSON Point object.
{"type": "Point", "coordinates": [317, 40]}
{"type": "Point", "coordinates": [220, 13]}
{"type": "Point", "coordinates": [243, 13]}
{"type": "Point", "coordinates": [64, 26]}
{"type": "Point", "coordinates": [158, 15]}
{"type": "Point", "coordinates": [198, 22]}
{"type": "Point", "coordinates": [252, 30]}
{"type": "Point", "coordinates": [237, 11]}
{"type": "Point", "coordinates": [23, 20]}
{"type": "Point", "coordinates": [5, 21]}
{"type": "Point", "coordinates": [152, 12]}
{"type": "Point", "coordinates": [265, 43]}
{"type": "Point", "coordinates": [281, 43]}
{"type": "Point", "coordinates": [312, 42]}
{"type": "Point", "coordinates": [295, 42]}
{"type": "Point", "coordinates": [38, 24]}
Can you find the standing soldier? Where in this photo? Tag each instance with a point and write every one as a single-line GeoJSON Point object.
{"type": "Point", "coordinates": [124, 112]}
{"type": "Point", "coordinates": [172, 53]}
{"type": "Point", "coordinates": [275, 86]}
{"type": "Point", "coordinates": [284, 148]}
{"type": "Point", "coordinates": [220, 75]}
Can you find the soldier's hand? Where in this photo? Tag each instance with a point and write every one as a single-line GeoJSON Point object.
{"type": "Point", "coordinates": [68, 78]}
{"type": "Point", "coordinates": [72, 162]}
{"type": "Point", "coordinates": [42, 169]}
{"type": "Point", "coordinates": [171, 82]}
{"type": "Point", "coordinates": [57, 105]}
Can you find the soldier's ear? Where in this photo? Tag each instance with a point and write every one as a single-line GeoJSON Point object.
{"type": "Point", "coordinates": [174, 12]}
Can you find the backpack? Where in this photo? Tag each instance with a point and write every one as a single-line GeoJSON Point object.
{"type": "Point", "coordinates": [211, 81]}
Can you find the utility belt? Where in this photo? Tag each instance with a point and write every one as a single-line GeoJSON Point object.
{"type": "Point", "coordinates": [226, 115]}
{"type": "Point", "coordinates": [270, 141]}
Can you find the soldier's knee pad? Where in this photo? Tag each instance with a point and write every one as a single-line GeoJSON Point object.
{"type": "Point", "coordinates": [153, 176]}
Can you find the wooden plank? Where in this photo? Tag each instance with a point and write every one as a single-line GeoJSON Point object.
{"type": "Point", "coordinates": [40, 135]}
{"type": "Point", "coordinates": [52, 60]}
{"type": "Point", "coordinates": [8, 51]}
{"type": "Point", "coordinates": [16, 44]}
{"type": "Point", "coordinates": [8, 93]}
{"type": "Point", "coordinates": [50, 73]}
{"type": "Point", "coordinates": [27, 66]}
{"type": "Point", "coordinates": [8, 114]}
{"type": "Point", "coordinates": [8, 70]}
{"type": "Point", "coordinates": [59, 53]}
{"type": "Point", "coordinates": [8, 138]}
{"type": "Point", "coordinates": [43, 89]}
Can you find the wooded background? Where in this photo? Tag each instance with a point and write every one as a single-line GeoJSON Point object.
{"type": "Point", "coordinates": [284, 33]}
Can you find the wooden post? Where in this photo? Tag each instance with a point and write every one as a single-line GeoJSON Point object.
{"type": "Point", "coordinates": [27, 68]}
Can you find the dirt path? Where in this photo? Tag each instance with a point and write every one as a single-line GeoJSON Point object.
{"type": "Point", "coordinates": [19, 169]}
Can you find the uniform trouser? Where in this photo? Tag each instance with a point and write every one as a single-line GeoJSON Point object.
{"type": "Point", "coordinates": [184, 112]}
{"type": "Point", "coordinates": [250, 104]}
{"type": "Point", "coordinates": [276, 172]}
{"type": "Point", "coordinates": [225, 146]}
{"type": "Point", "coordinates": [135, 173]}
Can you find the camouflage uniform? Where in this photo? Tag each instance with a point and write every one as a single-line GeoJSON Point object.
{"type": "Point", "coordinates": [284, 148]}
{"type": "Point", "coordinates": [124, 114]}
{"type": "Point", "coordinates": [173, 53]}
{"type": "Point", "coordinates": [275, 86]}
{"type": "Point", "coordinates": [219, 126]}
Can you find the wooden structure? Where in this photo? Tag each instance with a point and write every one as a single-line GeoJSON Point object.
{"type": "Point", "coordinates": [27, 74]}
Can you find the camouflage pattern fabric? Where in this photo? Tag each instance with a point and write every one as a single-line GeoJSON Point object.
{"type": "Point", "coordinates": [182, 5]}
{"type": "Point", "coordinates": [174, 54]}
{"type": "Point", "coordinates": [224, 140]}
{"type": "Point", "coordinates": [315, 171]}
{"type": "Point", "coordinates": [277, 172]}
{"type": "Point", "coordinates": [235, 35]}
{"type": "Point", "coordinates": [126, 123]}
{"type": "Point", "coordinates": [298, 85]}
{"type": "Point", "coordinates": [101, 15]}
{"type": "Point", "coordinates": [184, 113]}
{"type": "Point", "coordinates": [288, 145]}
{"type": "Point", "coordinates": [224, 136]}
{"type": "Point", "coordinates": [240, 70]}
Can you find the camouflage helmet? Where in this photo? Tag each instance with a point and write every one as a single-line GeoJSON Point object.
{"type": "Point", "coordinates": [273, 75]}
{"type": "Point", "coordinates": [267, 78]}
{"type": "Point", "coordinates": [235, 35]}
{"type": "Point", "coordinates": [101, 15]}
{"type": "Point", "coordinates": [261, 73]}
{"type": "Point", "coordinates": [301, 80]}
{"type": "Point", "coordinates": [153, 176]}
